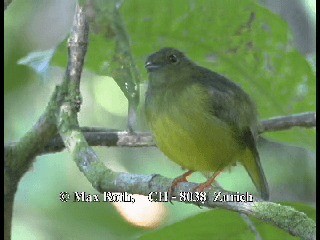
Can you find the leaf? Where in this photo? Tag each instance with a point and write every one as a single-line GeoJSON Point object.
{"type": "Point", "coordinates": [223, 224]}
{"type": "Point", "coordinates": [38, 61]}
{"type": "Point", "coordinates": [215, 224]}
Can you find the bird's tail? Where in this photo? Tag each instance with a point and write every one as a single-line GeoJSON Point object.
{"type": "Point", "coordinates": [251, 162]}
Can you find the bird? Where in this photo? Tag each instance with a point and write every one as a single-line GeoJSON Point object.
{"type": "Point", "coordinates": [200, 119]}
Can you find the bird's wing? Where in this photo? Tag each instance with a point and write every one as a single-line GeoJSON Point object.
{"type": "Point", "coordinates": [229, 102]}
{"type": "Point", "coordinates": [233, 106]}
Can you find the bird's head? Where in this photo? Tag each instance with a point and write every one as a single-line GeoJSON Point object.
{"type": "Point", "coordinates": [165, 58]}
{"type": "Point", "coordinates": [168, 64]}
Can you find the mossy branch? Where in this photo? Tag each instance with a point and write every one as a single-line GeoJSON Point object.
{"type": "Point", "coordinates": [67, 120]}
{"type": "Point", "coordinates": [284, 217]}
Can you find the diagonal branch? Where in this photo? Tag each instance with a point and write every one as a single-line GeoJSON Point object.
{"type": "Point", "coordinates": [298, 225]}
{"type": "Point", "coordinates": [19, 157]}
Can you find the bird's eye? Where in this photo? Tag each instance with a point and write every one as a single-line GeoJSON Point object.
{"type": "Point", "coordinates": [173, 58]}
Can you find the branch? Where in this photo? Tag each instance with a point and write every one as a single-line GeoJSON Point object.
{"type": "Point", "coordinates": [85, 158]}
{"type": "Point", "coordinates": [284, 217]}
{"type": "Point", "coordinates": [19, 157]}
{"type": "Point", "coordinates": [105, 138]}
{"type": "Point", "coordinates": [109, 138]}
{"type": "Point", "coordinates": [306, 120]}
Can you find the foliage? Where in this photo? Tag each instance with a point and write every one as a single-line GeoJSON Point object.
{"type": "Point", "coordinates": [211, 225]}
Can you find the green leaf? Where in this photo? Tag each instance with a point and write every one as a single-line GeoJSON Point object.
{"type": "Point", "coordinates": [223, 224]}
{"type": "Point", "coordinates": [214, 224]}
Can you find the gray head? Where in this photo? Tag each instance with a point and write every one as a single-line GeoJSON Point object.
{"type": "Point", "coordinates": [166, 58]}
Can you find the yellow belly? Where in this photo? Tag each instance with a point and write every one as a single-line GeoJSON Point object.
{"type": "Point", "coordinates": [192, 137]}
{"type": "Point", "coordinates": [206, 148]}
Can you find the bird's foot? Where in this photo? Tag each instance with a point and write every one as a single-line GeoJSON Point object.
{"type": "Point", "coordinates": [176, 181]}
{"type": "Point", "coordinates": [201, 187]}
{"type": "Point", "coordinates": [207, 184]}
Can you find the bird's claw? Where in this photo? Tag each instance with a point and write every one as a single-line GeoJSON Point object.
{"type": "Point", "coordinates": [175, 182]}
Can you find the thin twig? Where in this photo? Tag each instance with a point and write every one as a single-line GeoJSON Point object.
{"type": "Point", "coordinates": [251, 225]}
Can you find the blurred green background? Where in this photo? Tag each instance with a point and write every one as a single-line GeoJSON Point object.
{"type": "Point", "coordinates": [271, 56]}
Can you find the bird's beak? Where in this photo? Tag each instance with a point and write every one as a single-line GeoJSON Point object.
{"type": "Point", "coordinates": [150, 66]}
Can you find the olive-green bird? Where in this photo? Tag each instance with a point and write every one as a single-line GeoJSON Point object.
{"type": "Point", "coordinates": [200, 119]}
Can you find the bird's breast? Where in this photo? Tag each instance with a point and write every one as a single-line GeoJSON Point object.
{"type": "Point", "coordinates": [187, 132]}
